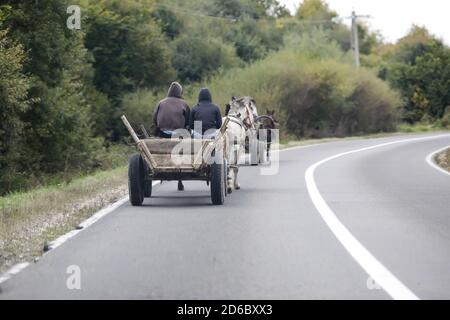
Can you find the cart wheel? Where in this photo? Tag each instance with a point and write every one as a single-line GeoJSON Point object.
{"type": "Point", "coordinates": [148, 188]}
{"type": "Point", "coordinates": [136, 180]}
{"type": "Point", "coordinates": [147, 181]}
{"type": "Point", "coordinates": [218, 182]}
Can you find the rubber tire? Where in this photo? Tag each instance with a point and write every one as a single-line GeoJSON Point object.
{"type": "Point", "coordinates": [147, 181]}
{"type": "Point", "coordinates": [148, 188]}
{"type": "Point", "coordinates": [217, 184]}
{"type": "Point", "coordinates": [136, 180]}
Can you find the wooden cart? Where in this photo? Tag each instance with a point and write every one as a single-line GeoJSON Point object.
{"type": "Point", "coordinates": [177, 159]}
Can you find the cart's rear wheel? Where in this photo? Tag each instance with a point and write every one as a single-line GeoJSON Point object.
{"type": "Point", "coordinates": [148, 188]}
{"type": "Point", "coordinates": [218, 179]}
{"type": "Point", "coordinates": [136, 181]}
{"type": "Point", "coordinates": [147, 181]}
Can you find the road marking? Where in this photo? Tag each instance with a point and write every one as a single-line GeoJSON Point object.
{"type": "Point", "coordinates": [14, 270]}
{"type": "Point", "coordinates": [375, 269]}
{"type": "Point", "coordinates": [90, 221]}
{"type": "Point", "coordinates": [430, 160]}
{"type": "Point", "coordinates": [60, 240]}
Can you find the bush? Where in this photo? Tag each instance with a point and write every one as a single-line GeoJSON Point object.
{"type": "Point", "coordinates": [313, 98]}
{"type": "Point", "coordinates": [138, 108]}
{"type": "Point", "coordinates": [197, 58]}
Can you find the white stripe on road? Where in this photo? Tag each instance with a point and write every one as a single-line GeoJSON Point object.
{"type": "Point", "coordinates": [379, 273]}
{"type": "Point", "coordinates": [90, 221]}
{"type": "Point", "coordinates": [430, 160]}
{"type": "Point", "coordinates": [59, 241]}
{"type": "Point", "coordinates": [14, 270]}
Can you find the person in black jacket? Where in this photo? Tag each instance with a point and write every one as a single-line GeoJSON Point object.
{"type": "Point", "coordinates": [206, 112]}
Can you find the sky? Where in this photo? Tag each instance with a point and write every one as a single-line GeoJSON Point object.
{"type": "Point", "coordinates": [393, 18]}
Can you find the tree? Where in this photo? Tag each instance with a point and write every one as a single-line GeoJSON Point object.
{"type": "Point", "coordinates": [315, 10]}
{"type": "Point", "coordinates": [129, 52]}
{"type": "Point", "coordinates": [170, 24]}
{"type": "Point", "coordinates": [418, 67]}
{"type": "Point", "coordinates": [14, 85]}
{"type": "Point", "coordinates": [56, 126]}
{"type": "Point", "coordinates": [197, 57]}
{"type": "Point", "coordinates": [128, 47]}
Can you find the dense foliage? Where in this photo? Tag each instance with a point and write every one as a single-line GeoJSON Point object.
{"type": "Point", "coordinates": [62, 91]}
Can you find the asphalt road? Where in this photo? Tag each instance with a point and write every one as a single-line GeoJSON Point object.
{"type": "Point", "coordinates": [269, 240]}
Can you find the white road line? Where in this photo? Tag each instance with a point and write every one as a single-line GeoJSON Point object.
{"type": "Point", "coordinates": [14, 270]}
{"type": "Point", "coordinates": [430, 160]}
{"type": "Point", "coordinates": [90, 221]}
{"type": "Point", "coordinates": [379, 273]}
{"type": "Point", "coordinates": [59, 241]}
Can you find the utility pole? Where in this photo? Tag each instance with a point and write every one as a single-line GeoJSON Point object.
{"type": "Point", "coordinates": [355, 38]}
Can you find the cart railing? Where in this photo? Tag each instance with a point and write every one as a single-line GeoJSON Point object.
{"type": "Point", "coordinates": [140, 144]}
{"type": "Point", "coordinates": [201, 159]}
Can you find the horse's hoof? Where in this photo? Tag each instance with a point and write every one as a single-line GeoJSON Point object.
{"type": "Point", "coordinates": [180, 187]}
{"type": "Point", "coordinates": [237, 187]}
{"type": "Point", "coordinates": [230, 190]}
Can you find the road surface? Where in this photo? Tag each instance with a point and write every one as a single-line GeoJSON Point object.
{"type": "Point", "coordinates": [271, 240]}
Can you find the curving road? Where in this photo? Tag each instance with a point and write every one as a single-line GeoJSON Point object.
{"type": "Point", "coordinates": [376, 227]}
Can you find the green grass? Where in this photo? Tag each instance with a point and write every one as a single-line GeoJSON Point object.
{"type": "Point", "coordinates": [419, 127]}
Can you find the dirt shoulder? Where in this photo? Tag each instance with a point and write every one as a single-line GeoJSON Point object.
{"type": "Point", "coordinates": [443, 159]}
{"type": "Point", "coordinates": [31, 219]}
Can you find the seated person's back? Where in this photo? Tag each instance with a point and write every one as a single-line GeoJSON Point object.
{"type": "Point", "coordinates": [172, 112]}
{"type": "Point", "coordinates": [206, 112]}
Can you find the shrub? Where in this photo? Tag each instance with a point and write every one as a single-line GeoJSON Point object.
{"type": "Point", "coordinates": [313, 98]}
{"type": "Point", "coordinates": [197, 58]}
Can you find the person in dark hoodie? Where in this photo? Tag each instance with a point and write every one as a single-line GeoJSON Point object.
{"type": "Point", "coordinates": [206, 112]}
{"type": "Point", "coordinates": [172, 113]}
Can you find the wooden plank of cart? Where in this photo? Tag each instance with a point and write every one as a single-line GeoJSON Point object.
{"type": "Point", "coordinates": [177, 159]}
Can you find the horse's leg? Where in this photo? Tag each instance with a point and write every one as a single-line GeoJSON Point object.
{"type": "Point", "coordinates": [230, 180]}
{"type": "Point", "coordinates": [231, 162]}
{"type": "Point", "coordinates": [237, 186]}
{"type": "Point", "coordinates": [180, 185]}
{"type": "Point", "coordinates": [235, 172]}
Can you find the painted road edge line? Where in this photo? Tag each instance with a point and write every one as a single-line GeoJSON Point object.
{"type": "Point", "coordinates": [60, 240]}
{"type": "Point", "coordinates": [375, 269]}
{"type": "Point", "coordinates": [430, 160]}
{"type": "Point", "coordinates": [14, 270]}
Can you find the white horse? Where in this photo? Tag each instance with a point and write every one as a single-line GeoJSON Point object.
{"type": "Point", "coordinates": [241, 114]}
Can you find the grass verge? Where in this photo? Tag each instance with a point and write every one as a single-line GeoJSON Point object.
{"type": "Point", "coordinates": [443, 159]}
{"type": "Point", "coordinates": [31, 219]}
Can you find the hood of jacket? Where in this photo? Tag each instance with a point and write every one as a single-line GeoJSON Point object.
{"type": "Point", "coordinates": [204, 95]}
{"type": "Point", "coordinates": [175, 90]}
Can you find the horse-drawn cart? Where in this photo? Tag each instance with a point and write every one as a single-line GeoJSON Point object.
{"type": "Point", "coordinates": [177, 159]}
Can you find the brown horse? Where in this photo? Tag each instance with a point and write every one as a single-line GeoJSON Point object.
{"type": "Point", "coordinates": [267, 122]}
